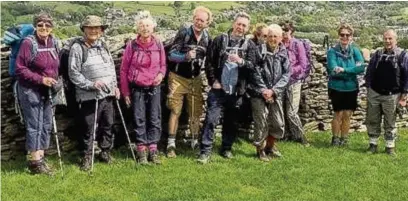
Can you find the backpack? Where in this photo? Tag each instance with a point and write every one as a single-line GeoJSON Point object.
{"type": "Point", "coordinates": [13, 37]}
{"type": "Point", "coordinates": [309, 60]}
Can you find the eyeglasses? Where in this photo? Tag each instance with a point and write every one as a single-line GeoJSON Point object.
{"type": "Point", "coordinates": [47, 25]}
{"type": "Point", "coordinates": [344, 35]}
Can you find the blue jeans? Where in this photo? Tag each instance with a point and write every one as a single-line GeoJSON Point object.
{"type": "Point", "coordinates": [146, 104]}
{"type": "Point", "coordinates": [217, 101]}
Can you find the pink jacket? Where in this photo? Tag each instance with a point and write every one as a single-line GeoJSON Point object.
{"type": "Point", "coordinates": [141, 63]}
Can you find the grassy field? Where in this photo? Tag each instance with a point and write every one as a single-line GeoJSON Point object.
{"type": "Point", "coordinates": [319, 172]}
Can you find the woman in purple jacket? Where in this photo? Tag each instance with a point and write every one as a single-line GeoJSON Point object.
{"type": "Point", "coordinates": [36, 71]}
{"type": "Point", "coordinates": [143, 69]}
{"type": "Point", "coordinates": [298, 64]}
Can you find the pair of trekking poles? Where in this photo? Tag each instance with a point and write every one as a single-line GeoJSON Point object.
{"type": "Point", "coordinates": [106, 90]}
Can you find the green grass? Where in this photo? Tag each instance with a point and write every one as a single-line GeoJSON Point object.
{"type": "Point", "coordinates": [319, 172]}
{"type": "Point", "coordinates": [60, 6]}
{"type": "Point", "coordinates": [160, 8]}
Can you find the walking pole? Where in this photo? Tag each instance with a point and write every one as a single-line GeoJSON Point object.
{"type": "Point", "coordinates": [192, 104]}
{"type": "Point", "coordinates": [55, 131]}
{"type": "Point", "coordinates": [127, 134]}
{"type": "Point", "coordinates": [94, 136]}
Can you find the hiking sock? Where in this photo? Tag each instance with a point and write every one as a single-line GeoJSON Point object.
{"type": "Point", "coordinates": [373, 141]}
{"type": "Point", "coordinates": [171, 142]}
{"type": "Point", "coordinates": [152, 148]}
{"type": "Point", "coordinates": [390, 143]}
{"type": "Point", "coordinates": [141, 147]}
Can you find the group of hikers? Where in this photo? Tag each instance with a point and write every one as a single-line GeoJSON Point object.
{"type": "Point", "coordinates": [266, 71]}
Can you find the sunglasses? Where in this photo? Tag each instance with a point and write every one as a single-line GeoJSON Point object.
{"type": "Point", "coordinates": [345, 35]}
{"type": "Point", "coordinates": [47, 25]}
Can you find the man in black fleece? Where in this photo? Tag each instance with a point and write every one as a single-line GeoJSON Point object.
{"type": "Point", "coordinates": [231, 59]}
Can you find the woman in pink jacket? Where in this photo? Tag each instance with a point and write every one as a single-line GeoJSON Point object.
{"type": "Point", "coordinates": [143, 69]}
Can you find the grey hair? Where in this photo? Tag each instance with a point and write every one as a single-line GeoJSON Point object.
{"type": "Point", "coordinates": [145, 15]}
{"type": "Point", "coordinates": [275, 28]}
{"type": "Point", "coordinates": [392, 32]}
{"type": "Point", "coordinates": [243, 15]}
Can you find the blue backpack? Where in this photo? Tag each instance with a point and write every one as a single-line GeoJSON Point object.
{"type": "Point", "coordinates": [13, 38]}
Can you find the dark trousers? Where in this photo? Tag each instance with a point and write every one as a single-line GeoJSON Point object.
{"type": "Point", "coordinates": [105, 117]}
{"type": "Point", "coordinates": [146, 106]}
{"type": "Point", "coordinates": [216, 101]}
{"type": "Point", "coordinates": [37, 113]}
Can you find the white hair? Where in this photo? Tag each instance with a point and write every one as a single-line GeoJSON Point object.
{"type": "Point", "coordinates": [275, 29]}
{"type": "Point", "coordinates": [143, 16]}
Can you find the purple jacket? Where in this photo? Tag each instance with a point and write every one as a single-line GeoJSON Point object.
{"type": "Point", "coordinates": [43, 65]}
{"type": "Point", "coordinates": [297, 59]}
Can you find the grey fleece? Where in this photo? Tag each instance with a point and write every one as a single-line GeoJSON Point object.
{"type": "Point", "coordinates": [98, 66]}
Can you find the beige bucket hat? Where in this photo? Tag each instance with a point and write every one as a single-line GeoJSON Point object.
{"type": "Point", "coordinates": [93, 21]}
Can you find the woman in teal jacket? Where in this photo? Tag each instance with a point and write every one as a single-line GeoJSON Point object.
{"type": "Point", "coordinates": [344, 63]}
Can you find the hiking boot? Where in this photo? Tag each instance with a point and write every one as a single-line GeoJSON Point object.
{"type": "Point", "coordinates": [142, 157]}
{"type": "Point", "coordinates": [273, 152]}
{"type": "Point", "coordinates": [203, 158]}
{"type": "Point", "coordinates": [227, 154]}
{"type": "Point", "coordinates": [195, 144]}
{"type": "Point", "coordinates": [390, 151]}
{"type": "Point", "coordinates": [171, 152]}
{"type": "Point", "coordinates": [46, 165]}
{"type": "Point", "coordinates": [39, 167]}
{"type": "Point", "coordinates": [86, 163]}
{"type": "Point", "coordinates": [372, 149]}
{"type": "Point", "coordinates": [105, 157]}
{"type": "Point", "coordinates": [344, 141]}
{"type": "Point", "coordinates": [262, 155]}
{"type": "Point", "coordinates": [154, 157]}
{"type": "Point", "coordinates": [335, 141]}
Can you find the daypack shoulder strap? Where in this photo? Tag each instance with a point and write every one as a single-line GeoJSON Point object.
{"type": "Point", "coordinates": [34, 47]}
{"type": "Point", "coordinates": [83, 46]}
{"type": "Point", "coordinates": [188, 35]}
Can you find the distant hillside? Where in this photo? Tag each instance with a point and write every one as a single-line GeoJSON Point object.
{"type": "Point", "coordinates": [313, 19]}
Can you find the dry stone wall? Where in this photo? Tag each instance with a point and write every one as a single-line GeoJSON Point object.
{"type": "Point", "coordinates": [315, 112]}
